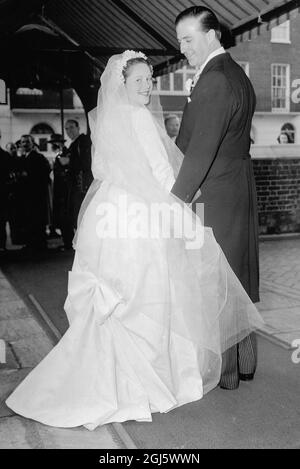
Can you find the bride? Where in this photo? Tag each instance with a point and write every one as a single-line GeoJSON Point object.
{"type": "Point", "coordinates": [152, 301]}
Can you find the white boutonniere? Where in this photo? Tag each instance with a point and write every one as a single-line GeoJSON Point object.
{"type": "Point", "coordinates": [191, 83]}
{"type": "Point", "coordinates": [188, 85]}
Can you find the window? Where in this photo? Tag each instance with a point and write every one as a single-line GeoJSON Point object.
{"type": "Point", "coordinates": [29, 92]}
{"type": "Point", "coordinates": [245, 67]}
{"type": "Point", "coordinates": [289, 129]}
{"type": "Point", "coordinates": [281, 33]}
{"type": "Point", "coordinates": [165, 83]}
{"type": "Point", "coordinates": [178, 81]}
{"type": "Point", "coordinates": [280, 87]}
{"type": "Point", "coordinates": [174, 83]}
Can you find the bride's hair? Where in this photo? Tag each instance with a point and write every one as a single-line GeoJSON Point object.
{"type": "Point", "coordinates": [131, 62]}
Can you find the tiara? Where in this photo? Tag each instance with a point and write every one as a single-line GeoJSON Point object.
{"type": "Point", "coordinates": [126, 56]}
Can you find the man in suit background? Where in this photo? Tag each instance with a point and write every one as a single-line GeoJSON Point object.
{"type": "Point", "coordinates": [215, 139]}
{"type": "Point", "coordinates": [80, 173]}
{"type": "Point", "coordinates": [172, 125]}
{"type": "Point", "coordinates": [34, 180]}
{"type": "Point", "coordinates": [6, 168]}
{"type": "Point", "coordinates": [61, 188]}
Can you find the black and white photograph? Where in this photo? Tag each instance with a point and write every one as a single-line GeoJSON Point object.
{"type": "Point", "coordinates": [149, 227]}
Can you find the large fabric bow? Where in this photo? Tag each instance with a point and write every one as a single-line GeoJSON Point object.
{"type": "Point", "coordinates": [87, 293]}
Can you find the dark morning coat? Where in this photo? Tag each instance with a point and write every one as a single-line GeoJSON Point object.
{"type": "Point", "coordinates": [215, 139]}
{"type": "Point", "coordinates": [80, 174]}
{"type": "Point", "coordinates": [34, 187]}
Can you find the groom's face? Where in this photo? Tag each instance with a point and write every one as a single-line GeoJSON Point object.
{"type": "Point", "coordinates": [194, 43]}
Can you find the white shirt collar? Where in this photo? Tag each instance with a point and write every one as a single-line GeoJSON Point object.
{"type": "Point", "coordinates": [192, 83]}
{"type": "Point", "coordinates": [213, 54]}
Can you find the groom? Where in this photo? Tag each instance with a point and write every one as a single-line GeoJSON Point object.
{"type": "Point", "coordinates": [215, 139]}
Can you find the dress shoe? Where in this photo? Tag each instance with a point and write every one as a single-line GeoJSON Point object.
{"type": "Point", "coordinates": [229, 388]}
{"type": "Point", "coordinates": [246, 377]}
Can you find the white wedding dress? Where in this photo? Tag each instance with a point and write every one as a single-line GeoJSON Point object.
{"type": "Point", "coordinates": [148, 318]}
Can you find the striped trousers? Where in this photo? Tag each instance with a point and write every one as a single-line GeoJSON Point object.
{"type": "Point", "coordinates": [239, 359]}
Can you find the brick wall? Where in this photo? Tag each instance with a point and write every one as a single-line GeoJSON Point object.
{"type": "Point", "coordinates": [260, 52]}
{"type": "Point", "coordinates": [278, 193]}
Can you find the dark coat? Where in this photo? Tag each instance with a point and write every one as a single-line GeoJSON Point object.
{"type": "Point", "coordinates": [61, 187]}
{"type": "Point", "coordinates": [80, 163]}
{"type": "Point", "coordinates": [6, 168]}
{"type": "Point", "coordinates": [215, 139]}
{"type": "Point", "coordinates": [80, 174]}
{"type": "Point", "coordinates": [34, 181]}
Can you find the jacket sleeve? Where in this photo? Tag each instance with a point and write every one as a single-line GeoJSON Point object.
{"type": "Point", "coordinates": [209, 115]}
{"type": "Point", "coordinates": [84, 153]}
{"type": "Point", "coordinates": [85, 163]}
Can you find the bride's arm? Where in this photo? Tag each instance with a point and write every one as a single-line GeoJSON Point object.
{"type": "Point", "coordinates": [154, 150]}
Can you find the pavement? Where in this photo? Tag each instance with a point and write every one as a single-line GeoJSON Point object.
{"type": "Point", "coordinates": [260, 414]}
{"type": "Point", "coordinates": [27, 341]}
{"type": "Point", "coordinates": [280, 289]}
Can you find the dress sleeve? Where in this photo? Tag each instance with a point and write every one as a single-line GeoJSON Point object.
{"type": "Point", "coordinates": [153, 146]}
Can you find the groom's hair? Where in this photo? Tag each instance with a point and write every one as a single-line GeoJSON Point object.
{"type": "Point", "coordinates": [207, 19]}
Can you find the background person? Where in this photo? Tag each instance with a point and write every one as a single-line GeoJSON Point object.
{"type": "Point", "coordinates": [35, 171]}
{"type": "Point", "coordinates": [80, 173]}
{"type": "Point", "coordinates": [172, 124]}
{"type": "Point", "coordinates": [13, 209]}
{"type": "Point", "coordinates": [283, 137]}
{"type": "Point", "coordinates": [5, 187]}
{"type": "Point", "coordinates": [61, 188]}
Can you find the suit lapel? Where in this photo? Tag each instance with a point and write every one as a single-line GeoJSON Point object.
{"type": "Point", "coordinates": [210, 65]}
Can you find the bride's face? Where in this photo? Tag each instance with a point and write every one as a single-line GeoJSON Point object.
{"type": "Point", "coordinates": [139, 84]}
